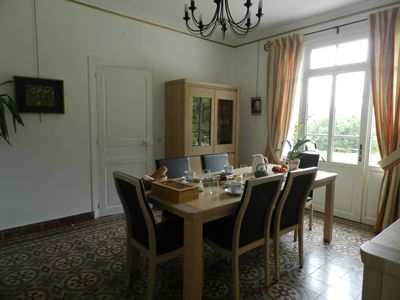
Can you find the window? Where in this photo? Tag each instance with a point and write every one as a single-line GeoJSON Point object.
{"type": "Point", "coordinates": [334, 92]}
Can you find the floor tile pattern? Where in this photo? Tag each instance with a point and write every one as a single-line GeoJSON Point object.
{"type": "Point", "coordinates": [86, 261]}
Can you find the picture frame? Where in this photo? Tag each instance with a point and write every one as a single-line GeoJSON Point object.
{"type": "Point", "coordinates": [256, 105]}
{"type": "Point", "coordinates": [39, 95]}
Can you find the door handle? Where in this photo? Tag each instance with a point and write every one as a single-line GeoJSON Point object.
{"type": "Point", "coordinates": [147, 143]}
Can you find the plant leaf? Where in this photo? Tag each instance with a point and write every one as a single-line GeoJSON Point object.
{"type": "Point", "coordinates": [3, 122]}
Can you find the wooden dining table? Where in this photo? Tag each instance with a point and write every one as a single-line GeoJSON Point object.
{"type": "Point", "coordinates": [210, 207]}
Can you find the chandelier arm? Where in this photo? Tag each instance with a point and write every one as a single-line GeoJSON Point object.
{"type": "Point", "coordinates": [211, 31]}
{"type": "Point", "coordinates": [236, 32]}
{"type": "Point", "coordinates": [229, 15]}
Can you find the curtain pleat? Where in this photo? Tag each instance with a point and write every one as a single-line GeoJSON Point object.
{"type": "Point", "coordinates": [283, 63]}
{"type": "Point", "coordinates": [385, 79]}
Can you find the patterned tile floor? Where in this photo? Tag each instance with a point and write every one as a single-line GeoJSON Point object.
{"type": "Point", "coordinates": [86, 261]}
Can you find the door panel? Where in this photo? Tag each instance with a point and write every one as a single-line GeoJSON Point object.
{"type": "Point", "coordinates": [347, 192]}
{"type": "Point", "coordinates": [124, 112]}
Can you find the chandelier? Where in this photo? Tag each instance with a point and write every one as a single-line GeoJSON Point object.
{"type": "Point", "coordinates": [223, 17]}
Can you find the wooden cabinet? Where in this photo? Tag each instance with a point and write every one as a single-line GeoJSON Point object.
{"type": "Point", "coordinates": [201, 118]}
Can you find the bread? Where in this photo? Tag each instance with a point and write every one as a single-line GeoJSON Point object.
{"type": "Point", "coordinates": [160, 172]}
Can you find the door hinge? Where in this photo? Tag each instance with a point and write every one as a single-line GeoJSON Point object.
{"type": "Point", "coordinates": [98, 205]}
{"type": "Point", "coordinates": [360, 150]}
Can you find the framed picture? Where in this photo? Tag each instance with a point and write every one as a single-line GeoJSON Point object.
{"type": "Point", "coordinates": [39, 95]}
{"type": "Point", "coordinates": [256, 105]}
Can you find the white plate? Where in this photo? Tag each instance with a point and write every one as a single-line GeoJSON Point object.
{"type": "Point", "coordinates": [228, 190]}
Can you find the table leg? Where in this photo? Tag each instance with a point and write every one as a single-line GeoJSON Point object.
{"type": "Point", "coordinates": [328, 218]}
{"type": "Point", "coordinates": [193, 260]}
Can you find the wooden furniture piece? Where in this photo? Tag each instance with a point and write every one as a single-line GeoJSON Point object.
{"type": "Point", "coordinates": [381, 258]}
{"type": "Point", "coordinates": [201, 118]}
{"type": "Point", "coordinates": [159, 242]}
{"type": "Point", "coordinates": [307, 160]}
{"type": "Point", "coordinates": [208, 208]}
{"type": "Point", "coordinates": [249, 227]}
{"type": "Point", "coordinates": [214, 162]}
{"type": "Point", "coordinates": [289, 212]}
{"type": "Point", "coordinates": [176, 166]}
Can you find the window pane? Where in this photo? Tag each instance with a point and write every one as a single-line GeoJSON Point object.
{"type": "Point", "coordinates": [352, 52]}
{"type": "Point", "coordinates": [345, 149]}
{"type": "Point", "coordinates": [374, 155]}
{"type": "Point", "coordinates": [322, 144]}
{"type": "Point", "coordinates": [348, 103]}
{"type": "Point", "coordinates": [318, 104]}
{"type": "Point", "coordinates": [323, 57]}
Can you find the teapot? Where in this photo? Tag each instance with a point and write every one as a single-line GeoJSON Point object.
{"type": "Point", "coordinates": [261, 170]}
{"type": "Point", "coordinates": [259, 159]}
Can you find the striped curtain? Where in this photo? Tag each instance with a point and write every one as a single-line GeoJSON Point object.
{"type": "Point", "coordinates": [283, 63]}
{"type": "Point", "coordinates": [385, 76]}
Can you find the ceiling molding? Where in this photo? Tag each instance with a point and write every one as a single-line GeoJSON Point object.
{"type": "Point", "coordinates": [105, 10]}
{"type": "Point", "coordinates": [300, 26]}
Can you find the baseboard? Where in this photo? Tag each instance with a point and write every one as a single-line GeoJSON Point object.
{"type": "Point", "coordinates": [10, 233]}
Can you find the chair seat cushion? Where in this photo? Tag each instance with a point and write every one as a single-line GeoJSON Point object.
{"type": "Point", "coordinates": [220, 232]}
{"type": "Point", "coordinates": [169, 235]}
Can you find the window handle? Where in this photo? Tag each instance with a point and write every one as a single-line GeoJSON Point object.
{"type": "Point", "coordinates": [360, 153]}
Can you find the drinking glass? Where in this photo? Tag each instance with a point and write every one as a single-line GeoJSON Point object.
{"type": "Point", "coordinates": [241, 174]}
{"type": "Point", "coordinates": [213, 185]}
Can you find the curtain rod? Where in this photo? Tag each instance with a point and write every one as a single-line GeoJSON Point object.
{"type": "Point", "coordinates": [337, 27]}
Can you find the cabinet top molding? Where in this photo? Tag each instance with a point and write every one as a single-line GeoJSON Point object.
{"type": "Point", "coordinates": [202, 83]}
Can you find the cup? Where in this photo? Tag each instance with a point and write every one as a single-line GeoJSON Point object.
{"type": "Point", "coordinates": [236, 187]}
{"type": "Point", "coordinates": [228, 169]}
{"type": "Point", "coordinates": [190, 175]}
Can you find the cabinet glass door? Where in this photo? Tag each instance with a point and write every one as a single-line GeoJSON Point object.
{"type": "Point", "coordinates": [225, 121]}
{"type": "Point", "coordinates": [201, 121]}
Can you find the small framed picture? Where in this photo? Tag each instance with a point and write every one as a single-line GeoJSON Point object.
{"type": "Point", "coordinates": [256, 105]}
{"type": "Point", "coordinates": [38, 95]}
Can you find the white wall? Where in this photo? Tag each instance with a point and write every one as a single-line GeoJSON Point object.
{"type": "Point", "coordinates": [46, 173]}
{"type": "Point", "coordinates": [250, 68]}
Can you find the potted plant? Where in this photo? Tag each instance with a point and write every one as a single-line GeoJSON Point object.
{"type": "Point", "coordinates": [7, 102]}
{"type": "Point", "coordinates": [295, 151]}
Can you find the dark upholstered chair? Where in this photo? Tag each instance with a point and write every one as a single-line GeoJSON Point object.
{"type": "Point", "coordinates": [289, 212]}
{"type": "Point", "coordinates": [249, 227]}
{"type": "Point", "coordinates": [176, 166]}
{"type": "Point", "coordinates": [307, 160]}
{"type": "Point", "coordinates": [214, 162]}
{"type": "Point", "coordinates": [159, 242]}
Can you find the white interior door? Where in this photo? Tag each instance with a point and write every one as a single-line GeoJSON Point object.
{"type": "Point", "coordinates": [124, 129]}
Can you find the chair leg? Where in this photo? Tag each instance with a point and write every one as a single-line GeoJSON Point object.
{"type": "Point", "coordinates": [276, 254]}
{"type": "Point", "coordinates": [151, 279]}
{"type": "Point", "coordinates": [311, 216]}
{"type": "Point", "coordinates": [235, 275]}
{"type": "Point", "coordinates": [266, 266]}
{"type": "Point", "coordinates": [301, 256]}
{"type": "Point", "coordinates": [133, 261]}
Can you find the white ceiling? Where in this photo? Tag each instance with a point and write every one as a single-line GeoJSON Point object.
{"type": "Point", "coordinates": [279, 15]}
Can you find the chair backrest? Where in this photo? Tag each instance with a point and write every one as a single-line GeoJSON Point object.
{"type": "Point", "coordinates": [139, 218]}
{"type": "Point", "coordinates": [309, 159]}
{"type": "Point", "coordinates": [290, 205]}
{"type": "Point", "coordinates": [214, 162]}
{"type": "Point", "coordinates": [176, 166]}
{"type": "Point", "coordinates": [256, 207]}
